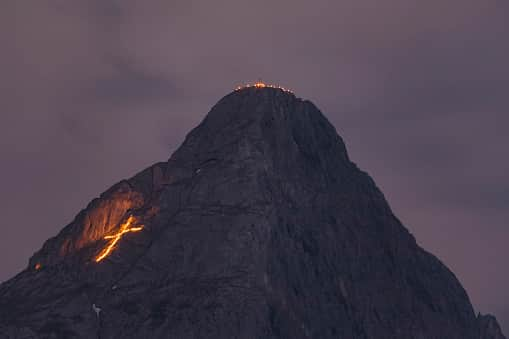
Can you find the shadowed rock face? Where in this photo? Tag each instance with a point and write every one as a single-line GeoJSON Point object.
{"type": "Point", "coordinates": [489, 327]}
{"type": "Point", "coordinates": [258, 226]}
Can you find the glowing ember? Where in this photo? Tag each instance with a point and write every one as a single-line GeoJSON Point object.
{"type": "Point", "coordinates": [37, 266]}
{"type": "Point", "coordinates": [260, 84]}
{"type": "Point", "coordinates": [125, 228]}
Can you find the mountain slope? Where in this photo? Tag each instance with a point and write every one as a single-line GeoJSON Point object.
{"type": "Point", "coordinates": [259, 226]}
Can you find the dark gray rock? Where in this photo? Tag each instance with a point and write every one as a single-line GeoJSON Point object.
{"type": "Point", "coordinates": [489, 327]}
{"type": "Point", "coordinates": [259, 226]}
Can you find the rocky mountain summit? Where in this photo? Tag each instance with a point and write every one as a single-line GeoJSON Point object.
{"type": "Point", "coordinates": [258, 226]}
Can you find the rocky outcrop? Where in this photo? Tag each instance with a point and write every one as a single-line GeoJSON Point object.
{"type": "Point", "coordinates": [489, 327]}
{"type": "Point", "coordinates": [258, 226]}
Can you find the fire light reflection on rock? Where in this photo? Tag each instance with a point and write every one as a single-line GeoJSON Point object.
{"type": "Point", "coordinates": [114, 238]}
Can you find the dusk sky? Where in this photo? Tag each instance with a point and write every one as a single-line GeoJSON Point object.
{"type": "Point", "coordinates": [93, 91]}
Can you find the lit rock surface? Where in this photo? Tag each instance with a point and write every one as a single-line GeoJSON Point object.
{"type": "Point", "coordinates": [259, 226]}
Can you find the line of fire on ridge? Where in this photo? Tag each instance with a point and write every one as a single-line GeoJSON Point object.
{"type": "Point", "coordinates": [262, 85]}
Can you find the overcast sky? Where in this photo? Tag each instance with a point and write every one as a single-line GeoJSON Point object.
{"type": "Point", "coordinates": [92, 91]}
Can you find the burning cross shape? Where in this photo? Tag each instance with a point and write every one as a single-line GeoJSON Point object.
{"type": "Point", "coordinates": [125, 228]}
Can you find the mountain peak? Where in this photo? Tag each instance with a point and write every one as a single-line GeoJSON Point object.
{"type": "Point", "coordinates": [257, 99]}
{"type": "Point", "coordinates": [258, 226]}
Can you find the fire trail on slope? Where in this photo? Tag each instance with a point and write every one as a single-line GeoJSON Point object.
{"type": "Point", "coordinates": [115, 238]}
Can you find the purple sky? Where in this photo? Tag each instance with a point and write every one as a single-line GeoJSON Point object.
{"type": "Point", "coordinates": [93, 91]}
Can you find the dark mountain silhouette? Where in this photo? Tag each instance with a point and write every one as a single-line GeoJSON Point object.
{"type": "Point", "coordinates": [259, 226]}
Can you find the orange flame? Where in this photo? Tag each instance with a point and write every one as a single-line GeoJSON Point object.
{"type": "Point", "coordinates": [125, 228]}
{"type": "Point", "coordinates": [260, 84]}
{"type": "Point", "coordinates": [37, 266]}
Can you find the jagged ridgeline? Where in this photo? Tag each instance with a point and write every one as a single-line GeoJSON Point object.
{"type": "Point", "coordinates": [258, 226]}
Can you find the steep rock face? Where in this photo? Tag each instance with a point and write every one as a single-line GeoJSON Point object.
{"type": "Point", "coordinates": [259, 226]}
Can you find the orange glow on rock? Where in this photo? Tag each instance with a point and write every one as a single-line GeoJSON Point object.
{"type": "Point", "coordinates": [114, 238]}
